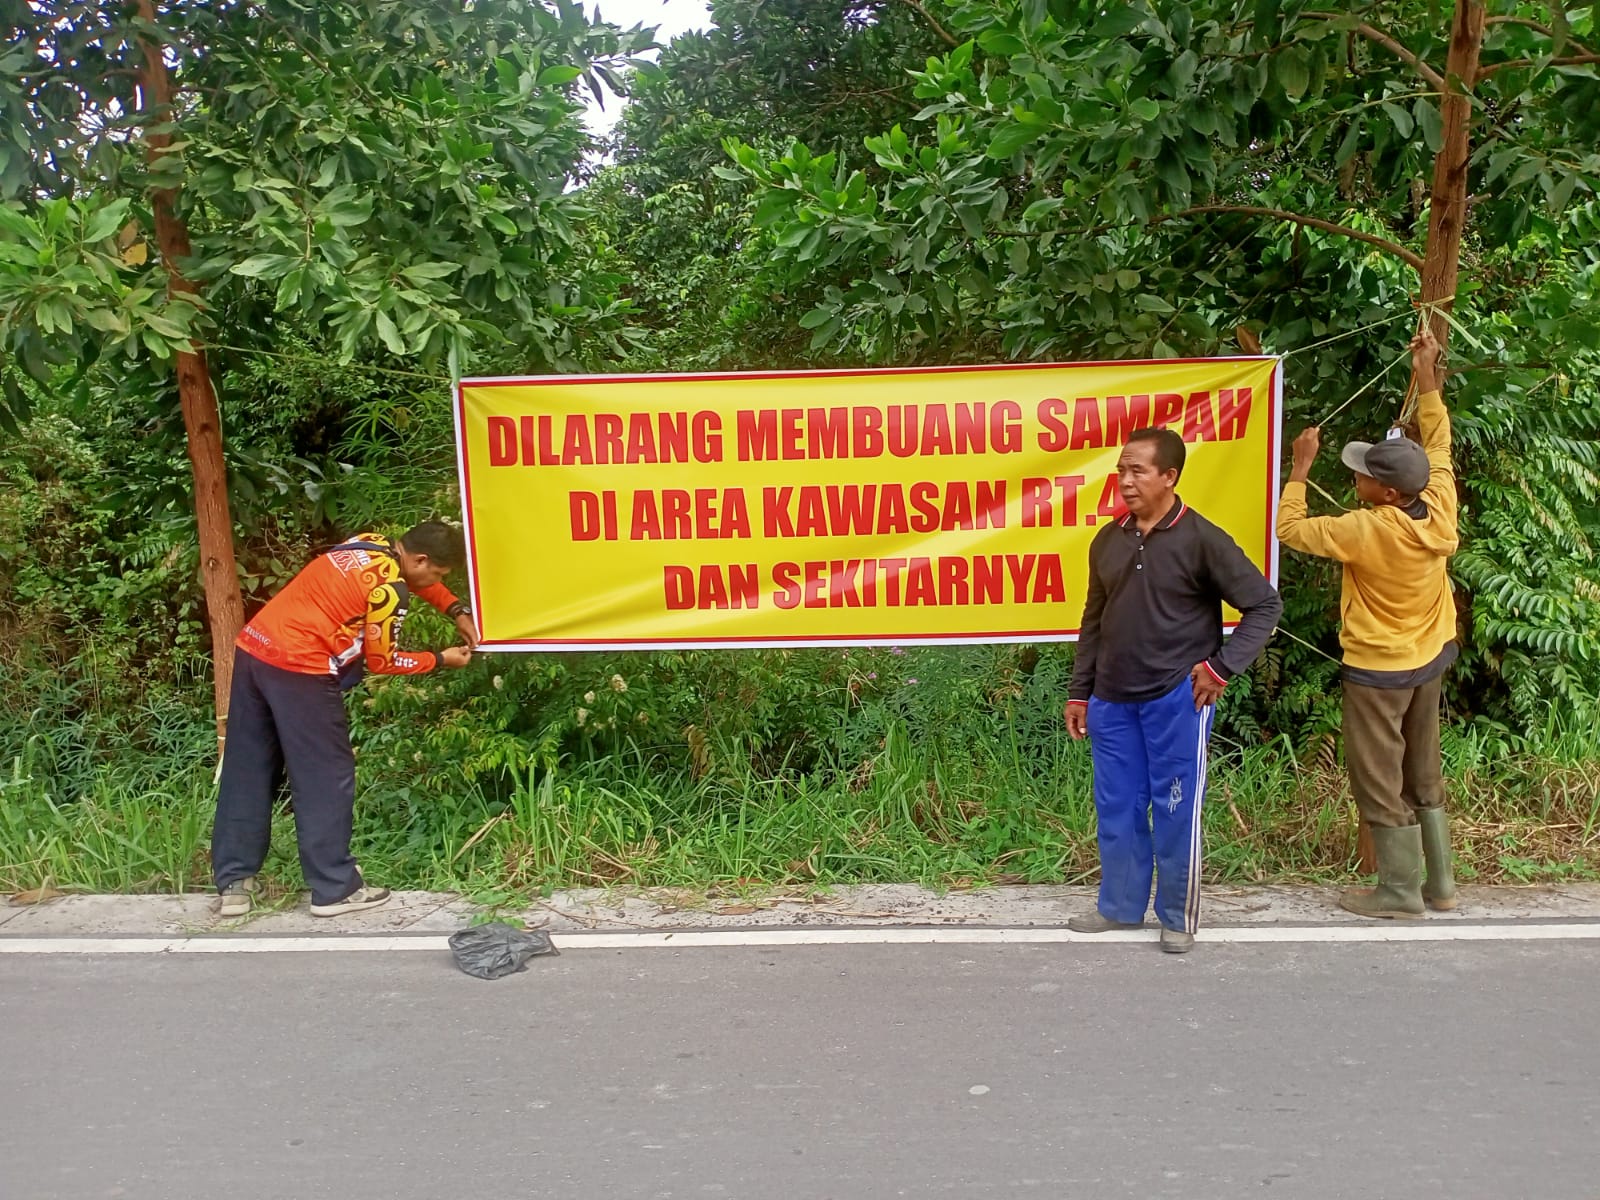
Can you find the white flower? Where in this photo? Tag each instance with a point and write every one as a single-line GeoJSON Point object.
{"type": "Point", "coordinates": [618, 684]}
{"type": "Point", "coordinates": [588, 697]}
{"type": "Point", "coordinates": [583, 715]}
{"type": "Point", "coordinates": [499, 683]}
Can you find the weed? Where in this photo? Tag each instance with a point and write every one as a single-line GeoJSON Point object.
{"type": "Point", "coordinates": [1012, 805]}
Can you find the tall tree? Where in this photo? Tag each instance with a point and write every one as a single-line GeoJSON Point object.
{"type": "Point", "coordinates": [1052, 120]}
{"type": "Point", "coordinates": [1143, 178]}
{"type": "Point", "coordinates": [394, 173]}
{"type": "Point", "coordinates": [828, 72]}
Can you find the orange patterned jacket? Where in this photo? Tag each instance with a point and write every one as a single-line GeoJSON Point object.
{"type": "Point", "coordinates": [344, 604]}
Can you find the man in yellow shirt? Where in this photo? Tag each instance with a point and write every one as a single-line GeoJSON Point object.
{"type": "Point", "coordinates": [1398, 630]}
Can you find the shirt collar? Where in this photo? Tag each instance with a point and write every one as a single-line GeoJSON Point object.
{"type": "Point", "coordinates": [1174, 515]}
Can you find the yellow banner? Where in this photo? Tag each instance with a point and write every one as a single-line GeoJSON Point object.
{"type": "Point", "coordinates": [942, 504]}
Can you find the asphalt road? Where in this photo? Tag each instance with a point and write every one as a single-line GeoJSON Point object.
{"type": "Point", "coordinates": [1456, 1070]}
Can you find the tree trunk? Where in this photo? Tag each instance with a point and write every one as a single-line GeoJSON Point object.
{"type": "Point", "coordinates": [1447, 216]}
{"type": "Point", "coordinates": [202, 422]}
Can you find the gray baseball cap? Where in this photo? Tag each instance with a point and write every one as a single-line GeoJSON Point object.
{"type": "Point", "coordinates": [1396, 462]}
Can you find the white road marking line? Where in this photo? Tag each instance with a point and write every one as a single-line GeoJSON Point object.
{"type": "Point", "coordinates": [1439, 931]}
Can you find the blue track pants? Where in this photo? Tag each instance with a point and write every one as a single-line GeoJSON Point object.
{"type": "Point", "coordinates": [1149, 783]}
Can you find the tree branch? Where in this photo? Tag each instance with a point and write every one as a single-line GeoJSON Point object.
{"type": "Point", "coordinates": [944, 34]}
{"type": "Point", "coordinates": [1410, 257]}
{"type": "Point", "coordinates": [1373, 34]}
{"type": "Point", "coordinates": [1531, 24]}
{"type": "Point", "coordinates": [1571, 60]}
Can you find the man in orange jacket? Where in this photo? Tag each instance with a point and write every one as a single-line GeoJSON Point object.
{"type": "Point", "coordinates": [1398, 630]}
{"type": "Point", "coordinates": [292, 663]}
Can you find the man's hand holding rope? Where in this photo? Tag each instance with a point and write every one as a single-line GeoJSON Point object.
{"type": "Point", "coordinates": [1425, 355]}
{"type": "Point", "coordinates": [1306, 447]}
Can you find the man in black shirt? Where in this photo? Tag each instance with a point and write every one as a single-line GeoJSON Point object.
{"type": "Point", "coordinates": [1151, 664]}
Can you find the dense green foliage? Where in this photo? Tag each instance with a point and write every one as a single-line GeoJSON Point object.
{"type": "Point", "coordinates": [814, 182]}
{"type": "Point", "coordinates": [1076, 187]}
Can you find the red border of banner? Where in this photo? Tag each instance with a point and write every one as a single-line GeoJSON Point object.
{"type": "Point", "coordinates": [1274, 435]}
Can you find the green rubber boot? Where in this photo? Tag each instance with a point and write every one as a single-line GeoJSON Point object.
{"type": "Point", "coordinates": [1439, 890]}
{"type": "Point", "coordinates": [1399, 890]}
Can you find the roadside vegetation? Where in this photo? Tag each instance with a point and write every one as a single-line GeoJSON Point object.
{"type": "Point", "coordinates": [812, 183]}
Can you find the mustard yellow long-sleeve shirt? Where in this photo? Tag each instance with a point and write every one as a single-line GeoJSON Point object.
{"type": "Point", "coordinates": [1395, 607]}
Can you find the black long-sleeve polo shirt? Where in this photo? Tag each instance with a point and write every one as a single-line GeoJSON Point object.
{"type": "Point", "coordinates": [1155, 608]}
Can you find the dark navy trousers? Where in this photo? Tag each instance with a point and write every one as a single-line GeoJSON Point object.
{"type": "Point", "coordinates": [286, 722]}
{"type": "Point", "coordinates": [1149, 785]}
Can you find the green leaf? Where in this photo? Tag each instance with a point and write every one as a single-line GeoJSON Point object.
{"type": "Point", "coordinates": [816, 318]}
{"type": "Point", "coordinates": [976, 282]}
{"type": "Point", "coordinates": [1145, 109]}
{"type": "Point", "coordinates": [18, 226]}
{"type": "Point", "coordinates": [1528, 169]}
{"type": "Point", "coordinates": [1292, 68]}
{"type": "Point", "coordinates": [289, 288]}
{"type": "Point", "coordinates": [1148, 303]}
{"type": "Point", "coordinates": [106, 221]}
{"type": "Point", "coordinates": [1561, 194]}
{"type": "Point", "coordinates": [107, 320]}
{"type": "Point", "coordinates": [1499, 161]}
{"type": "Point", "coordinates": [1560, 27]}
{"type": "Point", "coordinates": [1461, 329]}
{"type": "Point", "coordinates": [430, 270]}
{"type": "Point", "coordinates": [1041, 209]}
{"type": "Point", "coordinates": [1001, 44]}
{"type": "Point", "coordinates": [258, 266]}
{"type": "Point", "coordinates": [53, 314]}
{"type": "Point", "coordinates": [1349, 145]}
{"type": "Point", "coordinates": [1171, 171]}
{"type": "Point", "coordinates": [971, 219]}
{"type": "Point", "coordinates": [825, 333]}
{"type": "Point", "coordinates": [1427, 117]}
{"type": "Point", "coordinates": [15, 407]}
{"type": "Point", "coordinates": [1183, 70]}
{"type": "Point", "coordinates": [1267, 21]}
{"type": "Point", "coordinates": [1009, 139]}
{"type": "Point", "coordinates": [346, 213]}
{"type": "Point", "coordinates": [1121, 20]}
{"type": "Point", "coordinates": [556, 76]}
{"type": "Point", "coordinates": [165, 326]}
{"type": "Point", "coordinates": [390, 335]}
{"type": "Point", "coordinates": [1403, 124]}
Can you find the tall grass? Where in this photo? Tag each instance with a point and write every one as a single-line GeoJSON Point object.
{"type": "Point", "coordinates": [1525, 809]}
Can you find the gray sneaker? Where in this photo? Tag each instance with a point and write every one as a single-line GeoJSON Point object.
{"type": "Point", "coordinates": [238, 898]}
{"type": "Point", "coordinates": [1176, 941]}
{"type": "Point", "coordinates": [1098, 922]}
{"type": "Point", "coordinates": [356, 901]}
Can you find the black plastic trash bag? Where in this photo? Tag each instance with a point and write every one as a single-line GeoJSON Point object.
{"type": "Point", "coordinates": [496, 949]}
